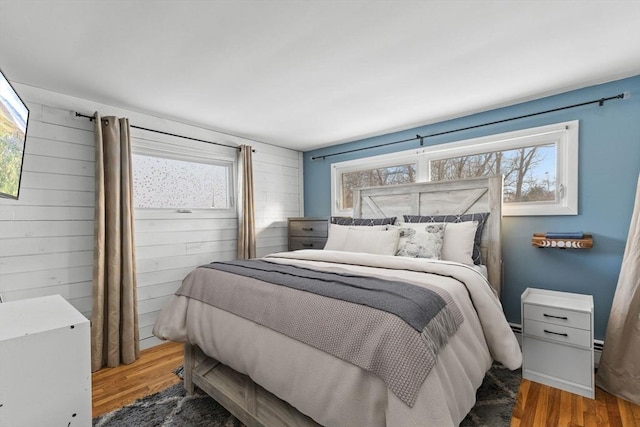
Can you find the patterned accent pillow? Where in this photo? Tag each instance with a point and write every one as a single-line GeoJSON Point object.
{"type": "Point", "coordinates": [347, 220]}
{"type": "Point", "coordinates": [480, 217]}
{"type": "Point", "coordinates": [421, 243]}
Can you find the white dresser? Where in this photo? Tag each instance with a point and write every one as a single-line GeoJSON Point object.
{"type": "Point", "coordinates": [557, 340]}
{"type": "Point", "coordinates": [45, 365]}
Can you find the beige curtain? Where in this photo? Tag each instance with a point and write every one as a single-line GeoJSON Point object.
{"type": "Point", "coordinates": [114, 322]}
{"type": "Point", "coordinates": [246, 214]}
{"type": "Point", "coordinates": [619, 368]}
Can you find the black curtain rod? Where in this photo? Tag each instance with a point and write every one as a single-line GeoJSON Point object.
{"type": "Point", "coordinates": [600, 102]}
{"type": "Point", "coordinates": [167, 133]}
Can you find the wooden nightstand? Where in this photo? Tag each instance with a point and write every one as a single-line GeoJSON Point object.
{"type": "Point", "coordinates": [307, 233]}
{"type": "Point", "coordinates": [557, 340]}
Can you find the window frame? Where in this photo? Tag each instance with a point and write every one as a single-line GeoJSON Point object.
{"type": "Point", "coordinates": [565, 135]}
{"type": "Point", "coordinates": [189, 152]}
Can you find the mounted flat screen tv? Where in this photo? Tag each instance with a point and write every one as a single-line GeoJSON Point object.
{"type": "Point", "coordinates": [14, 117]}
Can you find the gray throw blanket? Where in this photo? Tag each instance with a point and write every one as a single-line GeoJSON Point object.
{"type": "Point", "coordinates": [415, 305]}
{"type": "Point", "coordinates": [390, 328]}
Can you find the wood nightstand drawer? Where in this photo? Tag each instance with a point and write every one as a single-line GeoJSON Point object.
{"type": "Point", "coordinates": [296, 243]}
{"type": "Point", "coordinates": [557, 316]}
{"type": "Point", "coordinates": [316, 228]}
{"type": "Point", "coordinates": [563, 334]}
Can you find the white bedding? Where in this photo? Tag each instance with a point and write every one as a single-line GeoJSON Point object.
{"type": "Point", "coordinates": [335, 392]}
{"type": "Point", "coordinates": [482, 269]}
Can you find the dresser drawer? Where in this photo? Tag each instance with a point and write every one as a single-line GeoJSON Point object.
{"type": "Point", "coordinates": [296, 243]}
{"type": "Point", "coordinates": [562, 334]}
{"type": "Point", "coordinates": [557, 316]}
{"type": "Point", "coordinates": [302, 228]}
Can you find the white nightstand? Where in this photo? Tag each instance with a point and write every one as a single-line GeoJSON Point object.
{"type": "Point", "coordinates": [45, 364]}
{"type": "Point", "coordinates": [557, 340]}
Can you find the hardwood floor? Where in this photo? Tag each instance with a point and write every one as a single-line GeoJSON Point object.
{"type": "Point", "coordinates": [536, 405]}
{"type": "Point", "coordinates": [116, 387]}
{"type": "Point", "coordinates": [540, 405]}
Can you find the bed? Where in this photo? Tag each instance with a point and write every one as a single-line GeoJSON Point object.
{"type": "Point", "coordinates": [275, 356]}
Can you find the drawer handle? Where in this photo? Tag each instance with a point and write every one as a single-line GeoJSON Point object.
{"type": "Point", "coordinates": [555, 333]}
{"type": "Point", "coordinates": [555, 317]}
{"type": "Point", "coordinates": [307, 245]}
{"type": "Point", "coordinates": [307, 228]}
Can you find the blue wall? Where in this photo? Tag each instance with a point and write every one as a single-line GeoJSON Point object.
{"type": "Point", "coordinates": [609, 163]}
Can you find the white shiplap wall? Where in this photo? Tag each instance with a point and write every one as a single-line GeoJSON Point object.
{"type": "Point", "coordinates": [46, 237]}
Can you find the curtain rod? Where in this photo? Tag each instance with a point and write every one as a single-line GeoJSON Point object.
{"type": "Point", "coordinates": [600, 102]}
{"type": "Point", "coordinates": [92, 118]}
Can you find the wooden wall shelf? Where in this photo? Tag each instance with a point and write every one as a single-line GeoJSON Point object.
{"type": "Point", "coordinates": [540, 240]}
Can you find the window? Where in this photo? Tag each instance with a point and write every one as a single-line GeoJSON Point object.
{"type": "Point", "coordinates": [387, 175]}
{"type": "Point", "coordinates": [369, 172]}
{"type": "Point", "coordinates": [168, 183]}
{"type": "Point", "coordinates": [539, 165]}
{"type": "Point", "coordinates": [172, 176]}
{"type": "Point", "coordinates": [529, 172]}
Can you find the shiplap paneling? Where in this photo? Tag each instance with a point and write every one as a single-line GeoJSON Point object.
{"type": "Point", "coordinates": [46, 228]}
{"type": "Point", "coordinates": [46, 237]}
{"type": "Point", "coordinates": [50, 213]}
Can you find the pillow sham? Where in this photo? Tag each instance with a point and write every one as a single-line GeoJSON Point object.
{"type": "Point", "coordinates": [424, 241]}
{"type": "Point", "coordinates": [338, 235]}
{"type": "Point", "coordinates": [382, 242]}
{"type": "Point", "coordinates": [480, 217]}
{"type": "Point", "coordinates": [347, 220]}
{"type": "Point", "coordinates": [457, 244]}
{"type": "Point", "coordinates": [459, 239]}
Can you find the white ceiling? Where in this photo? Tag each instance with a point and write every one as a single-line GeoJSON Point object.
{"type": "Point", "coordinates": [306, 74]}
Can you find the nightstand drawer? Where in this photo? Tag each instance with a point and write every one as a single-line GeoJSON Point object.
{"type": "Point", "coordinates": [562, 334]}
{"type": "Point", "coordinates": [557, 365]}
{"type": "Point", "coordinates": [308, 228]}
{"type": "Point", "coordinates": [557, 316]}
{"type": "Point", "coordinates": [296, 243]}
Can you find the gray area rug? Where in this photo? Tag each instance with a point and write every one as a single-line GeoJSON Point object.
{"type": "Point", "coordinates": [173, 408]}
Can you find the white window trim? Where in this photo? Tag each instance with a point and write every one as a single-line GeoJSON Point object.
{"type": "Point", "coordinates": [565, 134]}
{"type": "Point", "coordinates": [201, 153]}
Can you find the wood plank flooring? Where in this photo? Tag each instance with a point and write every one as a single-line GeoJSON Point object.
{"type": "Point", "coordinates": [540, 405]}
{"type": "Point", "coordinates": [536, 405]}
{"type": "Point", "coordinates": [152, 372]}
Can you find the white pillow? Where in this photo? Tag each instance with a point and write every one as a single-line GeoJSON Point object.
{"type": "Point", "coordinates": [380, 242]}
{"type": "Point", "coordinates": [458, 239]}
{"type": "Point", "coordinates": [337, 236]}
{"type": "Point", "coordinates": [424, 241]}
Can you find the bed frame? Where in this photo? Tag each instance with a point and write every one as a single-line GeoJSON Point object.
{"type": "Point", "coordinates": [257, 407]}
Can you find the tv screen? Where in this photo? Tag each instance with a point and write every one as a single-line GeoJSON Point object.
{"type": "Point", "coordinates": [14, 117]}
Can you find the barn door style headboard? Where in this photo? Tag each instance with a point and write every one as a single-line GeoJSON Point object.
{"type": "Point", "coordinates": [473, 195]}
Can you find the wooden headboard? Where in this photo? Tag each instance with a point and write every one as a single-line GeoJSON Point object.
{"type": "Point", "coordinates": [473, 195]}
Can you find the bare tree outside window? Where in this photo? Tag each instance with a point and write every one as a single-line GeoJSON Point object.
{"type": "Point", "coordinates": [390, 175]}
{"type": "Point", "coordinates": [529, 173]}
